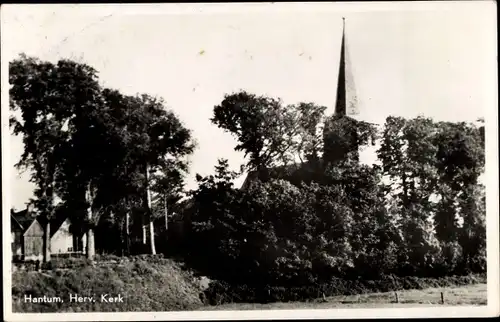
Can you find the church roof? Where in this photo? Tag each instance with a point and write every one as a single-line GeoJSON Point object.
{"type": "Point", "coordinates": [346, 99]}
{"type": "Point", "coordinates": [295, 173]}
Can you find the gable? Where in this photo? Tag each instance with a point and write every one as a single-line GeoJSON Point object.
{"type": "Point", "coordinates": [62, 230]}
{"type": "Point", "coordinates": [34, 230]}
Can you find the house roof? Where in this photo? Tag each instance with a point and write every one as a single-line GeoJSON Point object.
{"type": "Point", "coordinates": [24, 218]}
{"type": "Point", "coordinates": [55, 223]}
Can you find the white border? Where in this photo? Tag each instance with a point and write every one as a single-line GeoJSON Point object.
{"type": "Point", "coordinates": [491, 117]}
{"type": "Point", "coordinates": [251, 7]}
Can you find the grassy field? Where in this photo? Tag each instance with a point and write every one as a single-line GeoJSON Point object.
{"type": "Point", "coordinates": [465, 295]}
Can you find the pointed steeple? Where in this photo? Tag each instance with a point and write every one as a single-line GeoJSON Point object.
{"type": "Point", "coordinates": [347, 100]}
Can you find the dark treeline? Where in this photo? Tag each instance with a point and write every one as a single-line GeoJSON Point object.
{"type": "Point", "coordinates": [308, 211]}
{"type": "Point", "coordinates": [313, 212]}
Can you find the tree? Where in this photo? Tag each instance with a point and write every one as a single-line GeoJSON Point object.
{"type": "Point", "coordinates": [268, 132]}
{"type": "Point", "coordinates": [460, 162]}
{"type": "Point", "coordinates": [213, 221]}
{"type": "Point", "coordinates": [311, 119]}
{"type": "Point", "coordinates": [91, 154]}
{"type": "Point", "coordinates": [47, 96]}
{"type": "Point", "coordinates": [434, 167]}
{"type": "Point", "coordinates": [472, 235]}
{"type": "Point", "coordinates": [391, 154]}
{"type": "Point", "coordinates": [408, 155]}
{"type": "Point", "coordinates": [155, 142]}
{"type": "Point", "coordinates": [169, 186]}
{"type": "Point", "coordinates": [330, 250]}
{"type": "Point", "coordinates": [92, 147]}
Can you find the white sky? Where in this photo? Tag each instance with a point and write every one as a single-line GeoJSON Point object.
{"type": "Point", "coordinates": [411, 58]}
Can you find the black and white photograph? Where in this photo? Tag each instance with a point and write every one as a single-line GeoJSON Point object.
{"type": "Point", "coordinates": [249, 160]}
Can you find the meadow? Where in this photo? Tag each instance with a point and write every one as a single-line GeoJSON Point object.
{"type": "Point", "coordinates": [459, 295]}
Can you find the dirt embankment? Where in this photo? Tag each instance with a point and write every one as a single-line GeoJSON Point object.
{"type": "Point", "coordinates": [138, 284]}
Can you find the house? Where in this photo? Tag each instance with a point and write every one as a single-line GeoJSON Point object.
{"type": "Point", "coordinates": [64, 241]}
{"type": "Point", "coordinates": [28, 231]}
{"type": "Point", "coordinates": [27, 235]}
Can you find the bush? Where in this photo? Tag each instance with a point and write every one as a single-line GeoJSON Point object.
{"type": "Point", "coordinates": [66, 263]}
{"type": "Point", "coordinates": [107, 257]}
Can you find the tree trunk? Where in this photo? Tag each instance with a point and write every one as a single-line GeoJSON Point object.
{"type": "Point", "coordinates": [46, 248]}
{"type": "Point", "coordinates": [150, 217]}
{"type": "Point", "coordinates": [166, 215]}
{"type": "Point", "coordinates": [143, 217]}
{"type": "Point", "coordinates": [90, 232]}
{"type": "Point", "coordinates": [122, 239]}
{"type": "Point", "coordinates": [90, 244]}
{"type": "Point", "coordinates": [127, 232]}
{"type": "Point", "coordinates": [152, 237]}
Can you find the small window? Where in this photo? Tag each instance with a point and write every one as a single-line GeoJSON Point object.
{"type": "Point", "coordinates": [70, 249]}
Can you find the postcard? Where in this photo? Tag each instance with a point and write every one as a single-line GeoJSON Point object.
{"type": "Point", "coordinates": [249, 161]}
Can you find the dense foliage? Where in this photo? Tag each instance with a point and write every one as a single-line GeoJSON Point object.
{"type": "Point", "coordinates": [269, 132]}
{"type": "Point", "coordinates": [97, 151]}
{"type": "Point", "coordinates": [420, 211]}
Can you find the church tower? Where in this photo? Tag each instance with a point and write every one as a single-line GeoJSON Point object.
{"type": "Point", "coordinates": [340, 132]}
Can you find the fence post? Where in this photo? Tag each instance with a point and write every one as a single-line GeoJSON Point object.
{"type": "Point", "coordinates": [442, 298]}
{"type": "Point", "coordinates": [397, 299]}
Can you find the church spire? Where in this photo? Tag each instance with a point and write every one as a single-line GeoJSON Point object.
{"type": "Point", "coordinates": [347, 101]}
